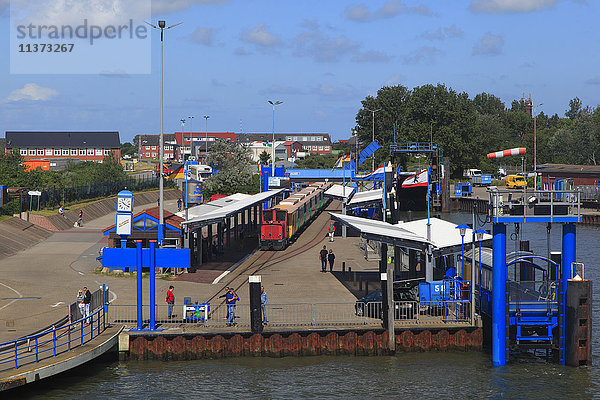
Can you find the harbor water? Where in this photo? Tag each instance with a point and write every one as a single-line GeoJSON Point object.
{"type": "Point", "coordinates": [436, 375]}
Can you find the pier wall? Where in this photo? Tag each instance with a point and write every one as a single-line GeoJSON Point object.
{"type": "Point", "coordinates": [300, 343]}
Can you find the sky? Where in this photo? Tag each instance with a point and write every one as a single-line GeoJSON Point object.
{"type": "Point", "coordinates": [320, 58]}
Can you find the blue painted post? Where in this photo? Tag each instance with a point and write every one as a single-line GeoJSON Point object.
{"type": "Point", "coordinates": [152, 285]}
{"type": "Point", "coordinates": [123, 243]}
{"type": "Point", "coordinates": [569, 256]}
{"type": "Point", "coordinates": [499, 295]}
{"type": "Point", "coordinates": [138, 264]}
{"type": "Point", "coordinates": [462, 252]}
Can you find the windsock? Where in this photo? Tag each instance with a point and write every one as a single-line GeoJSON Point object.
{"type": "Point", "coordinates": [510, 152]}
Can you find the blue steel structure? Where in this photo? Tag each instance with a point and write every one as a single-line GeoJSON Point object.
{"type": "Point", "coordinates": [541, 315]}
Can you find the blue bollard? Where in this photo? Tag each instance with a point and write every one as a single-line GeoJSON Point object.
{"type": "Point", "coordinates": [138, 264]}
{"type": "Point", "coordinates": [569, 256]}
{"type": "Point", "coordinates": [152, 285]}
{"type": "Point", "coordinates": [499, 296]}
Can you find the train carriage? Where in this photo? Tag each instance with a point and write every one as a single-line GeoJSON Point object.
{"type": "Point", "coordinates": [282, 222]}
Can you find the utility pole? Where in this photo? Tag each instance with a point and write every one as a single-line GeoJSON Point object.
{"type": "Point", "coordinates": [373, 116]}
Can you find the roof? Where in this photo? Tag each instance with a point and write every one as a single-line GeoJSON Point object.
{"type": "Point", "coordinates": [443, 233]}
{"type": "Point", "coordinates": [567, 168]}
{"type": "Point", "coordinates": [370, 196]}
{"type": "Point", "coordinates": [152, 140]}
{"type": "Point", "coordinates": [170, 219]}
{"type": "Point", "coordinates": [339, 191]}
{"type": "Point", "coordinates": [225, 207]}
{"type": "Point", "coordinates": [18, 139]}
{"type": "Point", "coordinates": [320, 174]}
{"type": "Point", "coordinates": [228, 136]}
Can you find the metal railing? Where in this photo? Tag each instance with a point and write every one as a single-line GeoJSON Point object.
{"type": "Point", "coordinates": [434, 313]}
{"type": "Point", "coordinates": [31, 349]}
{"type": "Point", "coordinates": [534, 203]}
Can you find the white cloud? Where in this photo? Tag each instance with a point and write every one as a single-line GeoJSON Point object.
{"type": "Point", "coordinates": [205, 36]}
{"type": "Point", "coordinates": [372, 56]}
{"type": "Point", "coordinates": [260, 36]}
{"type": "Point", "coordinates": [490, 44]}
{"type": "Point", "coordinates": [510, 6]}
{"type": "Point", "coordinates": [322, 48]}
{"type": "Point", "coordinates": [281, 90]}
{"type": "Point", "coordinates": [448, 32]}
{"type": "Point", "coordinates": [169, 6]}
{"type": "Point", "coordinates": [593, 81]}
{"type": "Point", "coordinates": [390, 9]}
{"type": "Point", "coordinates": [425, 54]}
{"type": "Point", "coordinates": [394, 80]}
{"type": "Point", "coordinates": [31, 91]}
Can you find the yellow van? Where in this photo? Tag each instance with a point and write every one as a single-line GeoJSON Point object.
{"type": "Point", "coordinates": [515, 181]}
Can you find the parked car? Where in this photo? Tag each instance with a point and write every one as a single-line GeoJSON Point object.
{"type": "Point", "coordinates": [370, 305]}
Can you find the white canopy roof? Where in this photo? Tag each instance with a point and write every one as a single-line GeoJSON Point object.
{"type": "Point", "coordinates": [370, 196]}
{"type": "Point", "coordinates": [443, 233]}
{"type": "Point", "coordinates": [340, 191]}
{"type": "Point", "coordinates": [225, 207]}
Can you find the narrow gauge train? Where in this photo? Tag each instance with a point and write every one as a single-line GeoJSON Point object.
{"type": "Point", "coordinates": [282, 222]}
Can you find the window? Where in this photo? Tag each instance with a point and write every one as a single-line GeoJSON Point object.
{"type": "Point", "coordinates": [73, 152]}
{"type": "Point", "coordinates": [107, 152]}
{"type": "Point", "coordinates": [153, 147]}
{"type": "Point", "coordinates": [23, 152]}
{"type": "Point", "coordinates": [32, 152]}
{"type": "Point", "coordinates": [327, 148]}
{"type": "Point", "coordinates": [305, 138]}
{"type": "Point", "coordinates": [40, 152]}
{"type": "Point", "coordinates": [288, 138]}
{"type": "Point", "coordinates": [147, 147]}
{"type": "Point", "coordinates": [319, 138]}
{"type": "Point", "coordinates": [147, 154]}
{"type": "Point", "coordinates": [320, 148]}
{"type": "Point", "coordinates": [314, 148]}
{"type": "Point", "coordinates": [48, 152]}
{"type": "Point", "coordinates": [98, 152]}
{"type": "Point", "coordinates": [295, 138]}
{"type": "Point", "coordinates": [65, 152]}
{"type": "Point", "coordinates": [187, 139]}
{"type": "Point", "coordinates": [57, 152]}
{"type": "Point", "coordinates": [90, 152]}
{"type": "Point", "coordinates": [153, 155]}
{"type": "Point", "coordinates": [82, 152]}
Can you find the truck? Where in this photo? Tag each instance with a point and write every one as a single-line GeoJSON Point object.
{"type": "Point", "coordinates": [482, 180]}
{"type": "Point", "coordinates": [515, 182]}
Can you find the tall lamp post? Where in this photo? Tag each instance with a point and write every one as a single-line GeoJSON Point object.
{"type": "Point", "coordinates": [373, 115]}
{"type": "Point", "coordinates": [273, 103]}
{"type": "Point", "coordinates": [535, 142]}
{"type": "Point", "coordinates": [206, 117]}
{"type": "Point", "coordinates": [479, 233]}
{"type": "Point", "coordinates": [463, 230]}
{"type": "Point", "coordinates": [162, 25]}
{"type": "Point", "coordinates": [191, 118]}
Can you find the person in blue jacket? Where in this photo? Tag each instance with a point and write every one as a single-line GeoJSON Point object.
{"type": "Point", "coordinates": [230, 299]}
{"type": "Point", "coordinates": [263, 304]}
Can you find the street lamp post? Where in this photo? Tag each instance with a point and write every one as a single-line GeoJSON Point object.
{"type": "Point", "coordinates": [191, 118]}
{"type": "Point", "coordinates": [373, 116]}
{"type": "Point", "coordinates": [535, 142]}
{"type": "Point", "coordinates": [479, 233]}
{"type": "Point", "coordinates": [273, 103]}
{"type": "Point", "coordinates": [162, 25]}
{"type": "Point", "coordinates": [463, 230]}
{"type": "Point", "coordinates": [206, 117]}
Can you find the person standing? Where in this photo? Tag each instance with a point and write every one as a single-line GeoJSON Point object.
{"type": "Point", "coordinates": [170, 300]}
{"type": "Point", "coordinates": [87, 300]}
{"type": "Point", "coordinates": [331, 259]}
{"type": "Point", "coordinates": [80, 219]}
{"type": "Point", "coordinates": [230, 299]}
{"type": "Point", "coordinates": [263, 304]}
{"type": "Point", "coordinates": [179, 203]}
{"type": "Point", "coordinates": [61, 212]}
{"type": "Point", "coordinates": [331, 231]}
{"type": "Point", "coordinates": [323, 257]}
{"type": "Point", "coordinates": [80, 303]}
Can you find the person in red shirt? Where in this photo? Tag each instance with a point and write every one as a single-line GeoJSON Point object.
{"type": "Point", "coordinates": [170, 300]}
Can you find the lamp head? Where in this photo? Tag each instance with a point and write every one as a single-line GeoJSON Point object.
{"type": "Point", "coordinates": [479, 233]}
{"type": "Point", "coordinates": [162, 24]}
{"type": "Point", "coordinates": [462, 229]}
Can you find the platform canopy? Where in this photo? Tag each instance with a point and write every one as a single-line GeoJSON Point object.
{"type": "Point", "coordinates": [445, 238]}
{"type": "Point", "coordinates": [210, 214]}
{"type": "Point", "coordinates": [340, 192]}
{"type": "Point", "coordinates": [383, 232]}
{"type": "Point", "coordinates": [362, 199]}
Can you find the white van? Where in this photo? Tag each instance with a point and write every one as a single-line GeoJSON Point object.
{"type": "Point", "coordinates": [470, 173]}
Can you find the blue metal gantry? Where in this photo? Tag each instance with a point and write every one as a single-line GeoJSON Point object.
{"type": "Point", "coordinates": [534, 310]}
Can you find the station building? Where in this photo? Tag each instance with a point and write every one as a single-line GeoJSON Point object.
{"type": "Point", "coordinates": [55, 145]}
{"type": "Point", "coordinates": [579, 175]}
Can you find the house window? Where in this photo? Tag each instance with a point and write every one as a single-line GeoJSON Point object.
{"type": "Point", "coordinates": [65, 152]}
{"type": "Point", "coordinates": [320, 148]}
{"type": "Point", "coordinates": [148, 155]}
{"type": "Point", "coordinates": [90, 152]}
{"type": "Point", "coordinates": [288, 138]}
{"type": "Point", "coordinates": [327, 148]}
{"type": "Point", "coordinates": [32, 152]}
{"type": "Point", "coordinates": [57, 152]}
{"type": "Point", "coordinates": [82, 152]}
{"type": "Point", "coordinates": [314, 148]}
{"type": "Point", "coordinates": [23, 152]}
{"type": "Point", "coordinates": [295, 138]}
{"type": "Point", "coordinates": [48, 152]}
{"type": "Point", "coordinates": [98, 152]}
{"type": "Point", "coordinates": [147, 147]}
{"type": "Point", "coordinates": [153, 147]}
{"type": "Point", "coordinates": [40, 152]}
{"type": "Point", "coordinates": [73, 152]}
{"type": "Point", "coordinates": [107, 152]}
{"type": "Point", "coordinates": [153, 155]}
{"type": "Point", "coordinates": [319, 139]}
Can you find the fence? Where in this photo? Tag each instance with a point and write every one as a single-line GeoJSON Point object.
{"type": "Point", "coordinates": [34, 348]}
{"type": "Point", "coordinates": [406, 313]}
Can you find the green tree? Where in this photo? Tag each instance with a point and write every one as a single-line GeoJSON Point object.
{"type": "Point", "coordinates": [264, 158]}
{"type": "Point", "coordinates": [235, 168]}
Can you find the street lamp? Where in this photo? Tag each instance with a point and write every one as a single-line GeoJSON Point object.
{"type": "Point", "coordinates": [373, 115]}
{"type": "Point", "coordinates": [535, 142]}
{"type": "Point", "coordinates": [162, 25]}
{"type": "Point", "coordinates": [463, 230]}
{"type": "Point", "coordinates": [479, 233]}
{"type": "Point", "coordinates": [276, 103]}
{"type": "Point", "coordinates": [191, 118]}
{"type": "Point", "coordinates": [206, 117]}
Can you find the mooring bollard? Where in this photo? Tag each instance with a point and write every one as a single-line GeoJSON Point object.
{"type": "Point", "coordinates": [344, 267]}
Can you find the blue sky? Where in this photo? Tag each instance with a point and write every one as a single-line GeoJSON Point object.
{"type": "Point", "coordinates": [321, 58]}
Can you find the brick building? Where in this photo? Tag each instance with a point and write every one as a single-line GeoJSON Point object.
{"type": "Point", "coordinates": [580, 175]}
{"type": "Point", "coordinates": [83, 146]}
{"type": "Point", "coordinates": [149, 148]}
{"type": "Point", "coordinates": [184, 140]}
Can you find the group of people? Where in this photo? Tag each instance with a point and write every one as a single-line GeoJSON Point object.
{"type": "Point", "coordinates": [84, 299]}
{"type": "Point", "coordinates": [77, 224]}
{"type": "Point", "coordinates": [326, 257]}
{"type": "Point", "coordinates": [231, 298]}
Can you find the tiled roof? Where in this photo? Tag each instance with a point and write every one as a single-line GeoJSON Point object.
{"type": "Point", "coordinates": [62, 139]}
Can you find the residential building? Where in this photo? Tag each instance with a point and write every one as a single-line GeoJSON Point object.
{"type": "Point", "coordinates": [184, 140]}
{"type": "Point", "coordinates": [149, 147]}
{"type": "Point", "coordinates": [315, 143]}
{"type": "Point", "coordinates": [83, 146]}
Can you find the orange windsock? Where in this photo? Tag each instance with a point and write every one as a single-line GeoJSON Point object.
{"type": "Point", "coordinates": [510, 152]}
